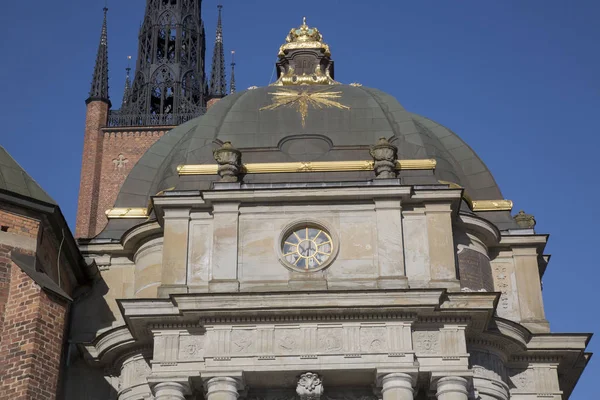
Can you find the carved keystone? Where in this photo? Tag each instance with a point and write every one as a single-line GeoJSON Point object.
{"type": "Point", "coordinates": [525, 221]}
{"type": "Point", "coordinates": [385, 155]}
{"type": "Point", "coordinates": [230, 162]}
{"type": "Point", "coordinates": [310, 386]}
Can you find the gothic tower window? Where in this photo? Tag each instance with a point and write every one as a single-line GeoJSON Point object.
{"type": "Point", "coordinates": [161, 96]}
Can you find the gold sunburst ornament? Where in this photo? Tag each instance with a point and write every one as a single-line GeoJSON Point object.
{"type": "Point", "coordinates": [302, 99]}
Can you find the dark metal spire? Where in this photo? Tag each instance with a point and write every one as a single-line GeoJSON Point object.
{"type": "Point", "coordinates": [169, 83]}
{"type": "Point", "coordinates": [127, 91]}
{"type": "Point", "coordinates": [232, 82]}
{"type": "Point", "coordinates": [218, 82]}
{"type": "Point", "coordinates": [99, 91]}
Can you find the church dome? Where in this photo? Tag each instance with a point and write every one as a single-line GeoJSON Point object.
{"type": "Point", "coordinates": [340, 123]}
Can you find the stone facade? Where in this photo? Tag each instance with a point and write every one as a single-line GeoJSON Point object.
{"type": "Point", "coordinates": [218, 310]}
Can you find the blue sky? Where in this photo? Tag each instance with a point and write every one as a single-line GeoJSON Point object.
{"type": "Point", "coordinates": [518, 80]}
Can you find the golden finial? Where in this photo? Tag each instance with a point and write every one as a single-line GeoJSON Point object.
{"type": "Point", "coordinates": [304, 37]}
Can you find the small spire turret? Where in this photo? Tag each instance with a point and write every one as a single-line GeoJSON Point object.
{"type": "Point", "coordinates": [127, 91]}
{"type": "Point", "coordinates": [99, 90]}
{"type": "Point", "coordinates": [218, 82]}
{"type": "Point", "coordinates": [232, 82]}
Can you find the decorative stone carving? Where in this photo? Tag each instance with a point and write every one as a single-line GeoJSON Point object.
{"type": "Point", "coordinates": [120, 162]}
{"type": "Point", "coordinates": [525, 221]}
{"type": "Point", "coordinates": [523, 380]}
{"type": "Point", "coordinates": [502, 283]}
{"type": "Point", "coordinates": [310, 386]}
{"type": "Point", "coordinates": [426, 342]}
{"type": "Point", "coordinates": [191, 347]}
{"type": "Point", "coordinates": [287, 340]}
{"type": "Point", "coordinates": [230, 162]}
{"type": "Point", "coordinates": [373, 340]}
{"type": "Point", "coordinates": [330, 340]}
{"type": "Point", "coordinates": [385, 155]}
{"type": "Point", "coordinates": [242, 341]}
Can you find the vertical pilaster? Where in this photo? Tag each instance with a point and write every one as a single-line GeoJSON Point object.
{"type": "Point", "coordinates": [529, 288]}
{"type": "Point", "coordinates": [174, 267]}
{"type": "Point", "coordinates": [441, 246]}
{"type": "Point", "coordinates": [392, 273]}
{"type": "Point", "coordinates": [224, 277]}
{"type": "Point", "coordinates": [91, 163]}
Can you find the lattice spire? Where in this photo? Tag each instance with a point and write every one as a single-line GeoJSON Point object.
{"type": "Point", "coordinates": [99, 90]}
{"type": "Point", "coordinates": [127, 91]}
{"type": "Point", "coordinates": [218, 82]}
{"type": "Point", "coordinates": [232, 82]}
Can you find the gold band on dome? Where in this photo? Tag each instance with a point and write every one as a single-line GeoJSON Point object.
{"type": "Point", "coordinates": [491, 205]}
{"type": "Point", "coordinates": [482, 205]}
{"type": "Point", "coordinates": [127, 213]}
{"type": "Point", "coordinates": [297, 167]}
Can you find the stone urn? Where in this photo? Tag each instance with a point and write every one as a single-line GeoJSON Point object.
{"type": "Point", "coordinates": [385, 155]}
{"type": "Point", "coordinates": [230, 162]}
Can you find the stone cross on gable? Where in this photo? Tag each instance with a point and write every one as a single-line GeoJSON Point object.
{"type": "Point", "coordinates": [120, 161]}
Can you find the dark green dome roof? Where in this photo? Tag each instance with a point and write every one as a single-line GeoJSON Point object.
{"type": "Point", "coordinates": [331, 133]}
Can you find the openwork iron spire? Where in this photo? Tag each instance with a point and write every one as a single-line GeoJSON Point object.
{"type": "Point", "coordinates": [99, 90]}
{"type": "Point", "coordinates": [218, 82]}
{"type": "Point", "coordinates": [127, 91]}
{"type": "Point", "coordinates": [232, 82]}
{"type": "Point", "coordinates": [169, 83]}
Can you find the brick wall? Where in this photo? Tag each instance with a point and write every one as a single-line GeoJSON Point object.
{"type": "Point", "coordinates": [121, 150]}
{"type": "Point", "coordinates": [108, 157]}
{"type": "Point", "coordinates": [18, 224]}
{"type": "Point", "coordinates": [32, 322]}
{"type": "Point", "coordinates": [96, 117]}
{"type": "Point", "coordinates": [31, 340]}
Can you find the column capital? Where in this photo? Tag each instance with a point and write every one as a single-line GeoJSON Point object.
{"type": "Point", "coordinates": [223, 381]}
{"type": "Point", "coordinates": [452, 387]}
{"type": "Point", "coordinates": [171, 390]}
{"type": "Point", "coordinates": [396, 374]}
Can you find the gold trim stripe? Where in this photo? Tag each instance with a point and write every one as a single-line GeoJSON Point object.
{"type": "Point", "coordinates": [481, 205]}
{"type": "Point", "coordinates": [491, 205]}
{"type": "Point", "coordinates": [127, 213]}
{"type": "Point", "coordinates": [318, 166]}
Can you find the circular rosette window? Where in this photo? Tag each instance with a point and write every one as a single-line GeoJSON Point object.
{"type": "Point", "coordinates": [307, 248]}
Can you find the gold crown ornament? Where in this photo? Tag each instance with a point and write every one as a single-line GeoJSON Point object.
{"type": "Point", "coordinates": [304, 37]}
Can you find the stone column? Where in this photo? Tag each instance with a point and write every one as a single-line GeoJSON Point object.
{"type": "Point", "coordinates": [452, 388]}
{"type": "Point", "coordinates": [222, 388]}
{"type": "Point", "coordinates": [169, 391]}
{"type": "Point", "coordinates": [397, 386]}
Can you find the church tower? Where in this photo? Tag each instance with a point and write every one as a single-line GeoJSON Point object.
{"type": "Point", "coordinates": [167, 88]}
{"type": "Point", "coordinates": [169, 83]}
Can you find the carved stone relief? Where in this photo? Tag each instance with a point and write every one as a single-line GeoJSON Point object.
{"type": "Point", "coordinates": [523, 380]}
{"type": "Point", "coordinates": [242, 341]}
{"type": "Point", "coordinates": [373, 340]}
{"type": "Point", "coordinates": [330, 340]}
{"type": "Point", "coordinates": [502, 284]}
{"type": "Point", "coordinates": [426, 342]}
{"type": "Point", "coordinates": [288, 340]}
{"type": "Point", "coordinates": [310, 386]}
{"type": "Point", "coordinates": [191, 347]}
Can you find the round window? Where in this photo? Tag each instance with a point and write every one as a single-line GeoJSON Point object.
{"type": "Point", "coordinates": [307, 248]}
